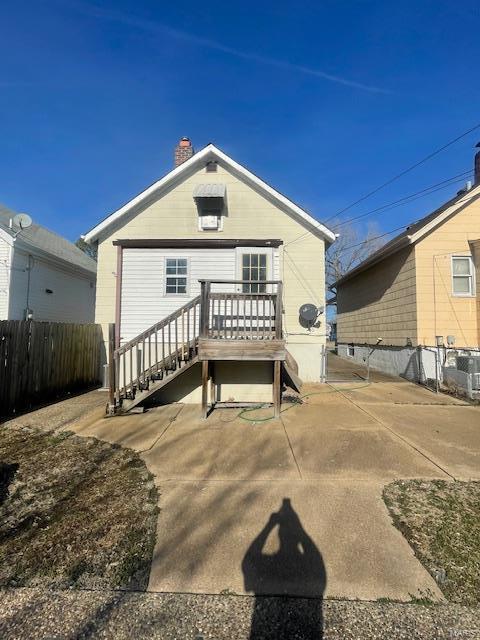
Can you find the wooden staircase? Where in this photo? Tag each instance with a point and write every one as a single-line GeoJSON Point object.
{"type": "Point", "coordinates": [154, 358]}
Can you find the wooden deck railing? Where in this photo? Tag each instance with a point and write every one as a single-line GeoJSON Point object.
{"type": "Point", "coordinates": [241, 316]}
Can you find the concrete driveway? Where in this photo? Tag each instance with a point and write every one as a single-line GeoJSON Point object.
{"type": "Point", "coordinates": [294, 505]}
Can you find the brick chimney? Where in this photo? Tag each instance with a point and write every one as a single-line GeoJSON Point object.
{"type": "Point", "coordinates": [183, 151]}
{"type": "Point", "coordinates": [476, 178]}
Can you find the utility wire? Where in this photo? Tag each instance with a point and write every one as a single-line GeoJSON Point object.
{"type": "Point", "coordinates": [405, 226]}
{"type": "Point", "coordinates": [407, 170]}
{"type": "Point", "coordinates": [411, 198]}
{"type": "Point", "coordinates": [353, 246]}
{"type": "Point", "coordinates": [423, 192]}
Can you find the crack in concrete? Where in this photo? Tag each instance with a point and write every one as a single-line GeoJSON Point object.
{"type": "Point", "coordinates": [385, 426]}
{"type": "Point", "coordinates": [291, 449]}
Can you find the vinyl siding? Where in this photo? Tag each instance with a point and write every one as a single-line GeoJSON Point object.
{"type": "Point", "coordinates": [250, 215]}
{"type": "Point", "coordinates": [380, 303]}
{"type": "Point", "coordinates": [439, 311]}
{"type": "Point", "coordinates": [143, 283]}
{"type": "Point", "coordinates": [73, 294]}
{"type": "Point", "coordinates": [5, 258]}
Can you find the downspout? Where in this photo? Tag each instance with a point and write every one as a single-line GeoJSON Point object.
{"type": "Point", "coordinates": [118, 295]}
{"type": "Point", "coordinates": [434, 297]}
{"type": "Point", "coordinates": [31, 262]}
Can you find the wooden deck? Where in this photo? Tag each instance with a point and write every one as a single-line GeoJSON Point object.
{"type": "Point", "coordinates": [217, 325]}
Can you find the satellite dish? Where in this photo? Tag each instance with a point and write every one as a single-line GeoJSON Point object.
{"type": "Point", "coordinates": [308, 313]}
{"type": "Point", "coordinates": [22, 220]}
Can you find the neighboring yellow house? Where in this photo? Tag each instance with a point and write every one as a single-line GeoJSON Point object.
{"type": "Point", "coordinates": [210, 218]}
{"type": "Point", "coordinates": [421, 285]}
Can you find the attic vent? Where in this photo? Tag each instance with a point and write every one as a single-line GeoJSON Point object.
{"type": "Point", "coordinates": [211, 167]}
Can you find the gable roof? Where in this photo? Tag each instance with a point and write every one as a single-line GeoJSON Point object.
{"type": "Point", "coordinates": [46, 241]}
{"type": "Point", "coordinates": [416, 231]}
{"type": "Point", "coordinates": [208, 153]}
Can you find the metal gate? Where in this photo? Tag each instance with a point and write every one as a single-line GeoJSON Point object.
{"type": "Point", "coordinates": [339, 369]}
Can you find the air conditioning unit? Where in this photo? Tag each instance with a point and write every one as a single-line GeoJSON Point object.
{"type": "Point", "coordinates": [476, 381]}
{"type": "Point", "coordinates": [209, 222]}
{"type": "Point", "coordinates": [468, 364]}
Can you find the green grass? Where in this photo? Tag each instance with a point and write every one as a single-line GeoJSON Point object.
{"type": "Point", "coordinates": [441, 521]}
{"type": "Point", "coordinates": [77, 512]}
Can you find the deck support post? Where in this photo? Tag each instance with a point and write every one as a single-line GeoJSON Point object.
{"type": "Point", "coordinates": [204, 389]}
{"type": "Point", "coordinates": [212, 384]}
{"type": "Point", "coordinates": [111, 370]}
{"type": "Point", "coordinates": [277, 389]}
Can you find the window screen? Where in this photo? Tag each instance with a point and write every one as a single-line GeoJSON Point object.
{"type": "Point", "coordinates": [462, 275]}
{"type": "Point", "coordinates": [254, 267]}
{"type": "Point", "coordinates": [176, 275]}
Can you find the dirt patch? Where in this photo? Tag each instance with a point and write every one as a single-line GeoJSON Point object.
{"type": "Point", "coordinates": [441, 521]}
{"type": "Point", "coordinates": [74, 512]}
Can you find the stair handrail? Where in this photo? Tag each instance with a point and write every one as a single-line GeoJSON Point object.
{"type": "Point", "coordinates": [158, 326]}
{"type": "Point", "coordinates": [116, 390]}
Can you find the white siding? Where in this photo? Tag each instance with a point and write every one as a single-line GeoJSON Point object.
{"type": "Point", "coordinates": [73, 296]}
{"type": "Point", "coordinates": [143, 281]}
{"type": "Point", "coordinates": [5, 257]}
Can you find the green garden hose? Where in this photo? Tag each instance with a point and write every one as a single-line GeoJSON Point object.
{"type": "Point", "coordinates": [294, 404]}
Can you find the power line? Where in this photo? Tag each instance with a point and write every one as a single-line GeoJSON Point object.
{"type": "Point", "coordinates": [353, 246]}
{"type": "Point", "coordinates": [410, 198]}
{"type": "Point", "coordinates": [405, 171]}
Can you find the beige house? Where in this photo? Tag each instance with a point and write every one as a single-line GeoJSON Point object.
{"type": "Point", "coordinates": [421, 285]}
{"type": "Point", "coordinates": [260, 258]}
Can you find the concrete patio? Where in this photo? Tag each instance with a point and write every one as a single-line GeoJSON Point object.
{"type": "Point", "coordinates": [251, 506]}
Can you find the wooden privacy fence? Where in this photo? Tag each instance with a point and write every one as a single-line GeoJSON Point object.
{"type": "Point", "coordinates": [41, 359]}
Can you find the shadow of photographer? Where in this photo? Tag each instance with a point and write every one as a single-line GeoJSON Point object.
{"type": "Point", "coordinates": [296, 572]}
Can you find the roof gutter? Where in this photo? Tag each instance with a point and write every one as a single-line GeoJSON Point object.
{"type": "Point", "coordinates": [49, 257]}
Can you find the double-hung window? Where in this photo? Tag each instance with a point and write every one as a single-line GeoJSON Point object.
{"type": "Point", "coordinates": [254, 267]}
{"type": "Point", "coordinates": [462, 276]}
{"type": "Point", "coordinates": [176, 273]}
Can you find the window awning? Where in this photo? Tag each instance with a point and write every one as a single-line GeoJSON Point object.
{"type": "Point", "coordinates": [215, 190]}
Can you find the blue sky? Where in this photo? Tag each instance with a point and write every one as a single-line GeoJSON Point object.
{"type": "Point", "coordinates": [323, 100]}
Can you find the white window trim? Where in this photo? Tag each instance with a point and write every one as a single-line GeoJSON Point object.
{"type": "Point", "coordinates": [352, 347]}
{"type": "Point", "coordinates": [176, 295]}
{"type": "Point", "coordinates": [472, 292]}
{"type": "Point", "coordinates": [239, 259]}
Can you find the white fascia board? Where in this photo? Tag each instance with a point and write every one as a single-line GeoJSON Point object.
{"type": "Point", "coordinates": [7, 236]}
{"type": "Point", "coordinates": [464, 200]}
{"type": "Point", "coordinates": [93, 234]}
{"type": "Point", "coordinates": [207, 152]}
{"type": "Point", "coordinates": [279, 197]}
